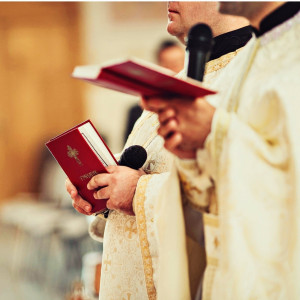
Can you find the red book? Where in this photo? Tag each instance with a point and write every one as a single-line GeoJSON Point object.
{"type": "Point", "coordinates": [139, 78]}
{"type": "Point", "coordinates": [82, 154]}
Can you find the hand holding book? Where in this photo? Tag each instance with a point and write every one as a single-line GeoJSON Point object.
{"type": "Point", "coordinates": [82, 206]}
{"type": "Point", "coordinates": [95, 181]}
{"type": "Point", "coordinates": [116, 188]}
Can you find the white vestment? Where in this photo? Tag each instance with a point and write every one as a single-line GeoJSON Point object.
{"type": "Point", "coordinates": [252, 228]}
{"type": "Point", "coordinates": [131, 265]}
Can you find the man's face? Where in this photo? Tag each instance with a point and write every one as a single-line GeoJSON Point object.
{"type": "Point", "coordinates": [183, 15]}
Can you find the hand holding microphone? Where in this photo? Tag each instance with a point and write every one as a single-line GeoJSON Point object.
{"type": "Point", "coordinates": [185, 124]}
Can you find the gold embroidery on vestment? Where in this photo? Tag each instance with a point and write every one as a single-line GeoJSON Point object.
{"type": "Point", "coordinates": [221, 62]}
{"type": "Point", "coordinates": [210, 221]}
{"type": "Point", "coordinates": [142, 231]}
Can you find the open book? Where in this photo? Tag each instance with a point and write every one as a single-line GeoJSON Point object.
{"type": "Point", "coordinates": [82, 154]}
{"type": "Point", "coordinates": [139, 78]}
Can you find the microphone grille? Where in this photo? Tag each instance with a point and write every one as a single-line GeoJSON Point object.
{"type": "Point", "coordinates": [200, 35]}
{"type": "Point", "coordinates": [135, 156]}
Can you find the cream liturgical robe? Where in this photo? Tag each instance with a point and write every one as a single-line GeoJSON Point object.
{"type": "Point", "coordinates": [252, 230]}
{"type": "Point", "coordinates": [130, 257]}
{"type": "Point", "coordinates": [181, 254]}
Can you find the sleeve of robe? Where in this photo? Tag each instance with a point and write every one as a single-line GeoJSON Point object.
{"type": "Point", "coordinates": [195, 181]}
{"type": "Point", "coordinates": [257, 164]}
{"type": "Point", "coordinates": [157, 166]}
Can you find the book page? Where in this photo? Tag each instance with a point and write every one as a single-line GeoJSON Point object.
{"type": "Point", "coordinates": [96, 144]}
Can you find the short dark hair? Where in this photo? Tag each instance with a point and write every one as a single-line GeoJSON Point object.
{"type": "Point", "coordinates": [165, 44]}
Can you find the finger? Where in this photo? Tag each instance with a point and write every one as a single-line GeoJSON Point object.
{"type": "Point", "coordinates": [102, 194]}
{"type": "Point", "coordinates": [173, 141]}
{"type": "Point", "coordinates": [70, 187]}
{"type": "Point", "coordinates": [167, 129]}
{"type": "Point", "coordinates": [110, 205]}
{"type": "Point", "coordinates": [97, 181]}
{"type": "Point", "coordinates": [80, 210]}
{"type": "Point", "coordinates": [81, 203]}
{"type": "Point", "coordinates": [166, 114]}
{"type": "Point", "coordinates": [155, 104]}
{"type": "Point", "coordinates": [143, 103]}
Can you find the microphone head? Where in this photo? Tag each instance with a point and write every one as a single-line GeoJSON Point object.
{"type": "Point", "coordinates": [133, 157]}
{"type": "Point", "coordinates": [200, 36]}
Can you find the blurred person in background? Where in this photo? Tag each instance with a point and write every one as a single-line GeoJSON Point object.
{"type": "Point", "coordinates": [248, 146]}
{"type": "Point", "coordinates": [131, 266]}
{"type": "Point", "coordinates": [169, 54]}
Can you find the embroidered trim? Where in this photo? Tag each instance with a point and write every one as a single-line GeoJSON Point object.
{"type": "Point", "coordinates": [221, 62]}
{"type": "Point", "coordinates": [210, 220]}
{"type": "Point", "coordinates": [221, 125]}
{"type": "Point", "coordinates": [140, 124]}
{"type": "Point", "coordinates": [212, 261]}
{"type": "Point", "coordinates": [152, 136]}
{"type": "Point", "coordinates": [142, 232]}
{"type": "Point", "coordinates": [280, 29]}
{"type": "Point", "coordinates": [209, 277]}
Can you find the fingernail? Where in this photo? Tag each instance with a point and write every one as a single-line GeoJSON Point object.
{"type": "Point", "coordinates": [87, 208]}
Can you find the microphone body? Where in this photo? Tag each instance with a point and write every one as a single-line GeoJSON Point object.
{"type": "Point", "coordinates": [199, 45]}
{"type": "Point", "coordinates": [196, 66]}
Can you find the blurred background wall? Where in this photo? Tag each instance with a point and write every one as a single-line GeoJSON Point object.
{"type": "Point", "coordinates": [40, 43]}
{"type": "Point", "coordinates": [42, 239]}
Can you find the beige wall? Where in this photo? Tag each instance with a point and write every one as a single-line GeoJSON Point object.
{"type": "Point", "coordinates": [115, 30]}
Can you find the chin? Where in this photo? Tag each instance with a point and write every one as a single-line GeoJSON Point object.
{"type": "Point", "coordinates": [172, 28]}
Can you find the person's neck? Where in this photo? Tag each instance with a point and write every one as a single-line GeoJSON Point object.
{"type": "Point", "coordinates": [276, 17]}
{"type": "Point", "coordinates": [266, 10]}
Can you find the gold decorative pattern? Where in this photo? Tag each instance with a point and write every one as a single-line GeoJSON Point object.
{"type": "Point", "coordinates": [221, 62]}
{"type": "Point", "coordinates": [212, 244]}
{"type": "Point", "coordinates": [221, 131]}
{"type": "Point", "coordinates": [130, 229]}
{"type": "Point", "coordinates": [210, 221]}
{"type": "Point", "coordinates": [212, 261]}
{"type": "Point", "coordinates": [142, 231]}
{"type": "Point", "coordinates": [73, 153]}
{"type": "Point", "coordinates": [208, 282]}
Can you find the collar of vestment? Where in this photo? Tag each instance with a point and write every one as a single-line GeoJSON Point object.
{"type": "Point", "coordinates": [277, 17]}
{"type": "Point", "coordinates": [231, 41]}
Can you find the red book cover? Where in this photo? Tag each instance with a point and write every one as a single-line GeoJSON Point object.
{"type": "Point", "coordinates": [140, 78]}
{"type": "Point", "coordinates": [80, 162]}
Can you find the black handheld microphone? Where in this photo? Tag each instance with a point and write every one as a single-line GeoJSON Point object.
{"type": "Point", "coordinates": [199, 45]}
{"type": "Point", "coordinates": [133, 157]}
